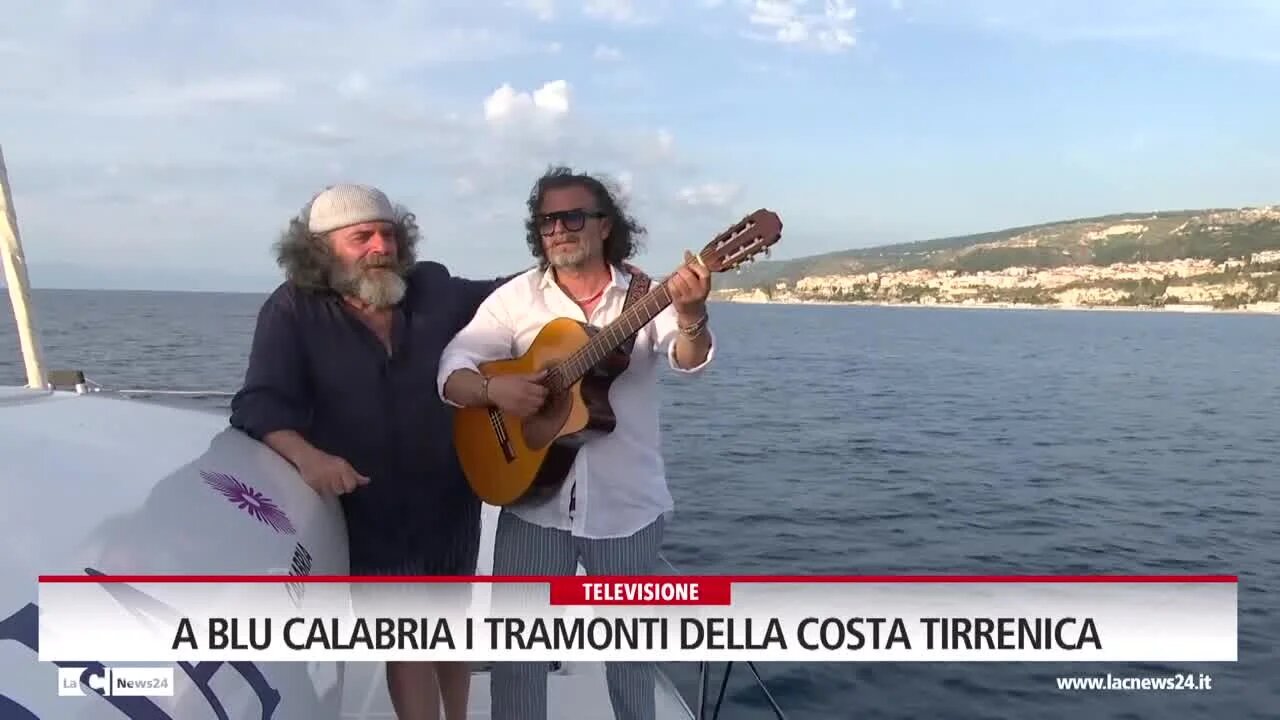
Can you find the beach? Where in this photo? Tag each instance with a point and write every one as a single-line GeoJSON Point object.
{"type": "Point", "coordinates": [1265, 308]}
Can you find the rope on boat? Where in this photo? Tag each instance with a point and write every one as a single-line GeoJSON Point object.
{"type": "Point", "coordinates": [185, 393]}
{"type": "Point", "coordinates": [92, 386]}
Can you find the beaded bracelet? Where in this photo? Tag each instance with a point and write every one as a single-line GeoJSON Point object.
{"type": "Point", "coordinates": [695, 329]}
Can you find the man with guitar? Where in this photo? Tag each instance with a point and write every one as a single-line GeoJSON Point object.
{"type": "Point", "coordinates": [607, 502]}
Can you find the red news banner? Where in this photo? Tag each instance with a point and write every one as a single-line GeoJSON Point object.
{"type": "Point", "coordinates": [588, 590]}
{"type": "Point", "coordinates": [664, 618]}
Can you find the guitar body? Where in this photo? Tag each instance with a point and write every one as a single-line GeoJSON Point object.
{"type": "Point", "coordinates": [506, 458]}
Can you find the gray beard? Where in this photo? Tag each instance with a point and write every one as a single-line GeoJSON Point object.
{"type": "Point", "coordinates": [576, 259]}
{"type": "Point", "coordinates": [378, 287]}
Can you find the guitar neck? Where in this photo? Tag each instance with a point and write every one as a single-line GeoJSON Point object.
{"type": "Point", "coordinates": [610, 338]}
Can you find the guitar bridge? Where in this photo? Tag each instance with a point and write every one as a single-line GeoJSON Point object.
{"type": "Point", "coordinates": [500, 429]}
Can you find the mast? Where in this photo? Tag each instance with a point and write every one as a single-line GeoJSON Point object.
{"type": "Point", "coordinates": [15, 274]}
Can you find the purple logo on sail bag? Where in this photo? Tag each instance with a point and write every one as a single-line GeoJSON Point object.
{"type": "Point", "coordinates": [250, 500]}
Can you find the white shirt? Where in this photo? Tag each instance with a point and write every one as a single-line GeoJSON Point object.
{"type": "Point", "coordinates": [620, 478]}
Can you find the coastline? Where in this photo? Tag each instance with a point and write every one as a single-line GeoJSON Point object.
{"type": "Point", "coordinates": [1268, 308]}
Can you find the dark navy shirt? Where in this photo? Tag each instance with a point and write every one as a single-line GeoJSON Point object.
{"type": "Point", "coordinates": [315, 368]}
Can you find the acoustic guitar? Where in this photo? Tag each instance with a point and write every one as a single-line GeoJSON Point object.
{"type": "Point", "coordinates": [507, 459]}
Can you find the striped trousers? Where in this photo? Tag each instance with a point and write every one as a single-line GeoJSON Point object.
{"type": "Point", "coordinates": [518, 691]}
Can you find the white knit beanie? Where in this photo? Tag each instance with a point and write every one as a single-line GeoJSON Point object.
{"type": "Point", "coordinates": [341, 205]}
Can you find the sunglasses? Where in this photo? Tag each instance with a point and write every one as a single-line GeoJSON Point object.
{"type": "Point", "coordinates": [573, 220]}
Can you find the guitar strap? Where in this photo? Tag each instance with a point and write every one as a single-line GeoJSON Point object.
{"type": "Point", "coordinates": [639, 287]}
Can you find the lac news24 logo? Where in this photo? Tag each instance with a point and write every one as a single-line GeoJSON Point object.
{"type": "Point", "coordinates": [125, 681]}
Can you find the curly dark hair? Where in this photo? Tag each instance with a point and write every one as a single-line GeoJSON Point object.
{"type": "Point", "coordinates": [624, 237]}
{"type": "Point", "coordinates": [308, 260]}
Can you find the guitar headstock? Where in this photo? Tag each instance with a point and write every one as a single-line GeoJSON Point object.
{"type": "Point", "coordinates": [741, 242]}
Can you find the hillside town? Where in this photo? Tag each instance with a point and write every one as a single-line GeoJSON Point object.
{"type": "Point", "coordinates": [1249, 283]}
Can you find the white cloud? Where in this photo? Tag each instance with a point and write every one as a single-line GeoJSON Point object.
{"type": "Point", "coordinates": [620, 11]}
{"type": "Point", "coordinates": [780, 14]}
{"type": "Point", "coordinates": [665, 143]}
{"type": "Point", "coordinates": [198, 95]}
{"type": "Point", "coordinates": [550, 100]}
{"type": "Point", "coordinates": [1244, 30]}
{"type": "Point", "coordinates": [790, 22]}
{"type": "Point", "coordinates": [544, 10]}
{"type": "Point", "coordinates": [607, 53]}
{"type": "Point", "coordinates": [616, 12]}
{"type": "Point", "coordinates": [464, 186]}
{"type": "Point", "coordinates": [712, 194]}
{"type": "Point", "coordinates": [626, 184]}
{"type": "Point", "coordinates": [327, 134]}
{"type": "Point", "coordinates": [528, 130]}
{"type": "Point", "coordinates": [354, 84]}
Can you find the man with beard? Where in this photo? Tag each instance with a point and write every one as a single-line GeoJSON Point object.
{"type": "Point", "coordinates": [609, 512]}
{"type": "Point", "coordinates": [341, 383]}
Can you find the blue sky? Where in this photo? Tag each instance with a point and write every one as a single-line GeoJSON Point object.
{"type": "Point", "coordinates": [163, 145]}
